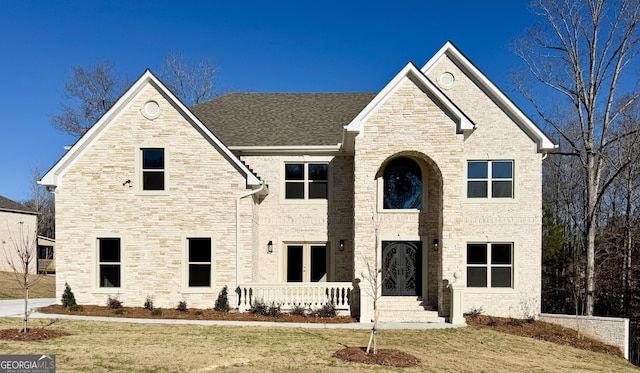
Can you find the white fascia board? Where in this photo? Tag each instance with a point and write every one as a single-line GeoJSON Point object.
{"type": "Point", "coordinates": [53, 177]}
{"type": "Point", "coordinates": [544, 143]}
{"type": "Point", "coordinates": [292, 149]}
{"type": "Point", "coordinates": [409, 71]}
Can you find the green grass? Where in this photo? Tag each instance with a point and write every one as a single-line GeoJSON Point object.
{"type": "Point", "coordinates": [107, 346]}
{"type": "Point", "coordinates": [10, 287]}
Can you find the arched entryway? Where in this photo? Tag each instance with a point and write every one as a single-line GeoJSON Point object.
{"type": "Point", "coordinates": [410, 212]}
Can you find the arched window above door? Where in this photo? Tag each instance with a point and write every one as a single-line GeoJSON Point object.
{"type": "Point", "coordinates": [402, 185]}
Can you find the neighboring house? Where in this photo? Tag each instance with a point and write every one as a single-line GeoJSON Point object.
{"type": "Point", "coordinates": [292, 197]}
{"type": "Point", "coordinates": [18, 228]}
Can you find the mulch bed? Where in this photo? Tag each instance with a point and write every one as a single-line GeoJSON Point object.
{"type": "Point", "coordinates": [33, 334]}
{"type": "Point", "coordinates": [385, 357]}
{"type": "Point", "coordinates": [191, 314]}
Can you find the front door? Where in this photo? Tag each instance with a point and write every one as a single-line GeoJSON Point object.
{"type": "Point", "coordinates": [402, 268]}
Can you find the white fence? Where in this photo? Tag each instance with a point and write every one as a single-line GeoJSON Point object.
{"type": "Point", "coordinates": [289, 295]}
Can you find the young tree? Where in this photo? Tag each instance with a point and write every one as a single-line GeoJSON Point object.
{"type": "Point", "coordinates": [375, 278]}
{"type": "Point", "coordinates": [583, 52]}
{"type": "Point", "coordinates": [21, 253]}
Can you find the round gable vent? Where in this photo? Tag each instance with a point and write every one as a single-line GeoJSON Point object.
{"type": "Point", "coordinates": [446, 80]}
{"type": "Point", "coordinates": [151, 110]}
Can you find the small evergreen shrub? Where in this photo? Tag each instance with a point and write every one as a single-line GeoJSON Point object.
{"type": "Point", "coordinates": [156, 312]}
{"type": "Point", "coordinates": [198, 313]}
{"type": "Point", "coordinates": [222, 303]}
{"type": "Point", "coordinates": [148, 303]}
{"type": "Point", "coordinates": [182, 306]}
{"type": "Point", "coordinates": [259, 308]}
{"type": "Point", "coordinates": [113, 303]}
{"type": "Point", "coordinates": [326, 311]}
{"type": "Point", "coordinates": [68, 299]}
{"type": "Point", "coordinates": [298, 310]}
{"type": "Point", "coordinates": [119, 311]}
{"type": "Point", "coordinates": [76, 308]}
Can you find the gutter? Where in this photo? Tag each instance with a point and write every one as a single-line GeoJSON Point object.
{"type": "Point", "coordinates": [256, 191]}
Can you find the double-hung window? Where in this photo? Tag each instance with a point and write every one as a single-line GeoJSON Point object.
{"type": "Point", "coordinates": [490, 265]}
{"type": "Point", "coordinates": [199, 258]}
{"type": "Point", "coordinates": [490, 178]}
{"type": "Point", "coordinates": [109, 262]}
{"type": "Point", "coordinates": [153, 169]}
{"type": "Point", "coordinates": [306, 180]}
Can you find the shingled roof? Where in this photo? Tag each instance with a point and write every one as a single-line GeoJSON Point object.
{"type": "Point", "coordinates": [8, 205]}
{"type": "Point", "coordinates": [281, 119]}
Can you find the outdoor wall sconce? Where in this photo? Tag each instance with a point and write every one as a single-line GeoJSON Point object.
{"type": "Point", "coordinates": [341, 245]}
{"type": "Point", "coordinates": [435, 244]}
{"type": "Point", "coordinates": [270, 247]}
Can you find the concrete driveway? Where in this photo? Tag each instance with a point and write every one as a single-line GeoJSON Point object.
{"type": "Point", "coordinates": [15, 307]}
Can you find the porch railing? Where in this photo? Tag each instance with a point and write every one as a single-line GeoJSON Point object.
{"type": "Point", "coordinates": [290, 295]}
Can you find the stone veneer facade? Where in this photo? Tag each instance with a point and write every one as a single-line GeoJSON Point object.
{"type": "Point", "coordinates": [95, 200]}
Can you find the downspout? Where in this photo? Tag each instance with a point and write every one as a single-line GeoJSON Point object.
{"type": "Point", "coordinates": [262, 185]}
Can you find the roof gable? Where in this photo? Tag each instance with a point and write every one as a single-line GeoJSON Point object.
{"type": "Point", "coordinates": [410, 71]}
{"type": "Point", "coordinates": [53, 177]}
{"type": "Point", "coordinates": [493, 92]}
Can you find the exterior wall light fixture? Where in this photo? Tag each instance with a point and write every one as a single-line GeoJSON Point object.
{"type": "Point", "coordinates": [341, 245]}
{"type": "Point", "coordinates": [435, 244]}
{"type": "Point", "coordinates": [270, 247]}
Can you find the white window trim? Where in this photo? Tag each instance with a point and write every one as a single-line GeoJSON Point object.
{"type": "Point", "coordinates": [306, 160]}
{"type": "Point", "coordinates": [489, 179]}
{"type": "Point", "coordinates": [95, 259]}
{"type": "Point", "coordinates": [380, 191]}
{"type": "Point", "coordinates": [185, 265]}
{"type": "Point", "coordinates": [488, 288]}
{"type": "Point", "coordinates": [139, 170]}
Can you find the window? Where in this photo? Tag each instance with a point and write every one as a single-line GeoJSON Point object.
{"type": "Point", "coordinates": [489, 264]}
{"type": "Point", "coordinates": [153, 169]}
{"type": "Point", "coordinates": [306, 180]}
{"type": "Point", "coordinates": [402, 185]}
{"type": "Point", "coordinates": [498, 183]}
{"type": "Point", "coordinates": [109, 262]}
{"type": "Point", "coordinates": [306, 263]}
{"type": "Point", "coordinates": [199, 262]}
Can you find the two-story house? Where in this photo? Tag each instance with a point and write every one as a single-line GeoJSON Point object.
{"type": "Point", "coordinates": [296, 198]}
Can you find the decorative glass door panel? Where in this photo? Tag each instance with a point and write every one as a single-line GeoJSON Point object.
{"type": "Point", "coordinates": [402, 268]}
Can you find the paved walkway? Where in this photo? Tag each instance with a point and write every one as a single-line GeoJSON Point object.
{"type": "Point", "coordinates": [15, 308]}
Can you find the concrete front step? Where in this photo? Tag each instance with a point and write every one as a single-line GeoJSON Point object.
{"type": "Point", "coordinates": [406, 309]}
{"type": "Point", "coordinates": [410, 316]}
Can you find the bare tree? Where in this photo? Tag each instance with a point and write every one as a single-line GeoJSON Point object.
{"type": "Point", "coordinates": [88, 94]}
{"type": "Point", "coordinates": [583, 53]}
{"type": "Point", "coordinates": [193, 84]}
{"type": "Point", "coordinates": [22, 255]}
{"type": "Point", "coordinates": [375, 278]}
{"type": "Point", "coordinates": [43, 203]}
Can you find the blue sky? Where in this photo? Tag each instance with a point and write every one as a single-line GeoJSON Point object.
{"type": "Point", "coordinates": [264, 46]}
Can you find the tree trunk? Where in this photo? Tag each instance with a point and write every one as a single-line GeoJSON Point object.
{"type": "Point", "coordinates": [26, 309]}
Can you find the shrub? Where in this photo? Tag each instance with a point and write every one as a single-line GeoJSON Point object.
{"type": "Point", "coordinates": [274, 310]}
{"type": "Point", "coordinates": [68, 299]}
{"type": "Point", "coordinates": [118, 311]}
{"type": "Point", "coordinates": [298, 310]}
{"type": "Point", "coordinates": [475, 312]}
{"type": "Point", "coordinates": [114, 303]}
{"type": "Point", "coordinates": [259, 308]}
{"type": "Point", "coordinates": [222, 303]}
{"type": "Point", "coordinates": [76, 308]}
{"type": "Point", "coordinates": [198, 313]}
{"type": "Point", "coordinates": [182, 306]}
{"type": "Point", "coordinates": [148, 303]}
{"type": "Point", "coordinates": [326, 311]}
{"type": "Point", "coordinates": [156, 312]}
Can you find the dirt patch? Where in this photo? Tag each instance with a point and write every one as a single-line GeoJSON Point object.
{"type": "Point", "coordinates": [33, 334]}
{"type": "Point", "coordinates": [191, 314]}
{"type": "Point", "coordinates": [543, 331]}
{"type": "Point", "coordinates": [385, 357]}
